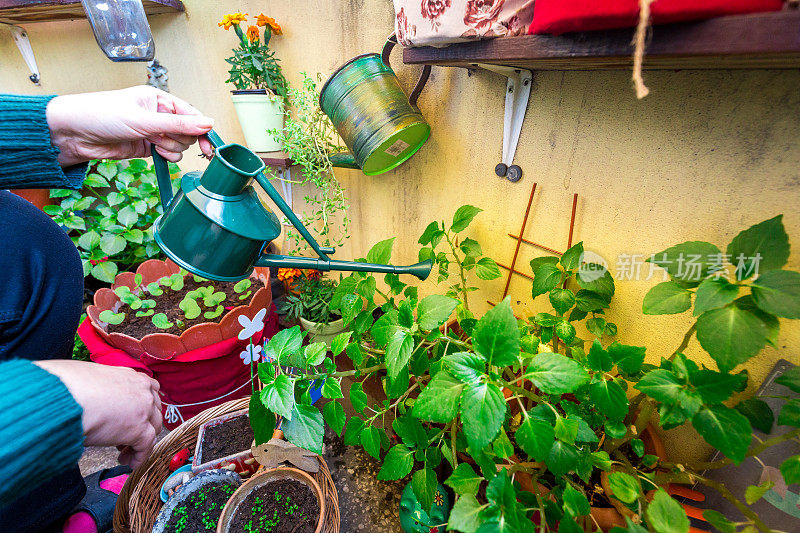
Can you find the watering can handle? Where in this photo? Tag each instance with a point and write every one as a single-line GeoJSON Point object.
{"type": "Point", "coordinates": [423, 78]}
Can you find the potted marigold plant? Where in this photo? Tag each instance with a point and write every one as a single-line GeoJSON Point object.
{"type": "Point", "coordinates": [260, 84]}
{"type": "Point", "coordinates": [548, 418]}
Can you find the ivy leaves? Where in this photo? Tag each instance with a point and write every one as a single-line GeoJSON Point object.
{"type": "Point", "coordinates": [730, 327]}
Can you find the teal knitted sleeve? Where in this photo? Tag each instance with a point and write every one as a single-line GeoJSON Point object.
{"type": "Point", "coordinates": [40, 432]}
{"type": "Point", "coordinates": [28, 159]}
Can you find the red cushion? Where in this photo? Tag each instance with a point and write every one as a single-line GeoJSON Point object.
{"type": "Point", "coordinates": [191, 377]}
{"type": "Point", "coordinates": [560, 16]}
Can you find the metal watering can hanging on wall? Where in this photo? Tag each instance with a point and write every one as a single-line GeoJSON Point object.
{"type": "Point", "coordinates": [217, 228]}
{"type": "Point", "coordinates": [380, 125]}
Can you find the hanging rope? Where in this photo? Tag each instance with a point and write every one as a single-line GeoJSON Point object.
{"type": "Point", "coordinates": [639, 46]}
{"type": "Point", "coordinates": [172, 413]}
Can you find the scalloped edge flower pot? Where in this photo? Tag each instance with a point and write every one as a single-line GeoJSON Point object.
{"type": "Point", "coordinates": [167, 345]}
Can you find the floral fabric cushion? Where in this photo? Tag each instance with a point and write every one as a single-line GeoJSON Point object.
{"type": "Point", "coordinates": [441, 22]}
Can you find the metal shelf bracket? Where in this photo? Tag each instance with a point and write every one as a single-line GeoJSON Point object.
{"type": "Point", "coordinates": [518, 91]}
{"type": "Point", "coordinates": [21, 39]}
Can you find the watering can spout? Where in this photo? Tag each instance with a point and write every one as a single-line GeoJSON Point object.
{"type": "Point", "coordinates": [420, 270]}
{"type": "Point", "coordinates": [164, 181]}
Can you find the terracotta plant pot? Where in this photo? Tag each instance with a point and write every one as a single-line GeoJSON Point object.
{"type": "Point", "coordinates": [323, 332]}
{"type": "Point", "coordinates": [38, 197]}
{"type": "Point", "coordinates": [166, 345]}
{"type": "Point", "coordinates": [242, 462]}
{"type": "Point", "coordinates": [241, 494]}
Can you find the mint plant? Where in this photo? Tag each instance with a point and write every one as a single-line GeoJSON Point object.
{"type": "Point", "coordinates": [528, 417]}
{"type": "Point", "coordinates": [110, 220]}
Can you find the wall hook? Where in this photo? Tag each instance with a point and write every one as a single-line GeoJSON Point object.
{"type": "Point", "coordinates": [21, 39]}
{"type": "Point", "coordinates": [518, 91]}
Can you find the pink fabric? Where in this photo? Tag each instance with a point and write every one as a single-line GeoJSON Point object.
{"type": "Point", "coordinates": [83, 522]}
{"type": "Point", "coordinates": [191, 377]}
{"type": "Point", "coordinates": [561, 16]}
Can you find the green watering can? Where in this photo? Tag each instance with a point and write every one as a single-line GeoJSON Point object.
{"type": "Point", "coordinates": [380, 125]}
{"type": "Point", "coordinates": [217, 228]}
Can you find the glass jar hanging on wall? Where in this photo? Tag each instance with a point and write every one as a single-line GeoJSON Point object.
{"type": "Point", "coordinates": [121, 29]}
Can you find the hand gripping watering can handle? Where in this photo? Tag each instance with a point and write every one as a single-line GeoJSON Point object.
{"type": "Point", "coordinates": [423, 78]}
{"type": "Point", "coordinates": [162, 169]}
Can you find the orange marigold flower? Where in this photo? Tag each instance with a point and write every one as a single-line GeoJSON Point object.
{"type": "Point", "coordinates": [289, 274]}
{"type": "Point", "coordinates": [264, 20]}
{"type": "Point", "coordinates": [252, 34]}
{"type": "Point", "coordinates": [313, 274]}
{"type": "Point", "coordinates": [232, 19]}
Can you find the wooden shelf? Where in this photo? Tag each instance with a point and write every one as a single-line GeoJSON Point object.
{"type": "Point", "coordinates": [27, 11]}
{"type": "Point", "coordinates": [275, 159]}
{"type": "Point", "coordinates": [762, 40]}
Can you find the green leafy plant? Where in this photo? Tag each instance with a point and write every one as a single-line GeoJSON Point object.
{"type": "Point", "coordinates": [309, 140]}
{"type": "Point", "coordinates": [551, 403]}
{"type": "Point", "coordinates": [310, 298]}
{"type": "Point", "coordinates": [253, 64]}
{"type": "Point", "coordinates": [110, 220]}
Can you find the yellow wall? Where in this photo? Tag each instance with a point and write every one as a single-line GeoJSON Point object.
{"type": "Point", "coordinates": [707, 154]}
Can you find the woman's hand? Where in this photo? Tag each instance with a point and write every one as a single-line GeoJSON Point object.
{"type": "Point", "coordinates": [121, 406]}
{"type": "Point", "coordinates": [123, 124]}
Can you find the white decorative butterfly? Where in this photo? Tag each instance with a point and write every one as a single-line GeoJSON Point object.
{"type": "Point", "coordinates": [251, 327]}
{"type": "Point", "coordinates": [251, 354]}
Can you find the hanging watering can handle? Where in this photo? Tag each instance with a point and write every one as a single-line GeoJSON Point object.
{"type": "Point", "coordinates": [423, 78]}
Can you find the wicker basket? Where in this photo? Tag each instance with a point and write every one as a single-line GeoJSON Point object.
{"type": "Point", "coordinates": [139, 502]}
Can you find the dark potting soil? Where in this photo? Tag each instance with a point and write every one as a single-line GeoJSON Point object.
{"type": "Point", "coordinates": [232, 436]}
{"type": "Point", "coordinates": [200, 512]}
{"type": "Point", "coordinates": [281, 506]}
{"type": "Point", "coordinates": [167, 303]}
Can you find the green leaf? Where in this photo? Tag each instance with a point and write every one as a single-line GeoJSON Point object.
{"type": "Point", "coordinates": [332, 388]}
{"type": "Point", "coordinates": [283, 344]}
{"type": "Point", "coordinates": [305, 428]}
{"type": "Point", "coordinates": [427, 235]}
{"type": "Point", "coordinates": [535, 437]}
{"type": "Point", "coordinates": [599, 359]}
{"type": "Point", "coordinates": [596, 278]}
{"type": "Point", "coordinates": [610, 398]}
{"type": "Point", "coordinates": [424, 483]}
{"type": "Point", "coordinates": [545, 278]}
{"type": "Point", "coordinates": [667, 298]}
{"type": "Point", "coordinates": [767, 240]}
{"type": "Point", "coordinates": [434, 310]}
{"type": "Point", "coordinates": [89, 240]}
{"type": "Point", "coordinates": [496, 335]}
{"type": "Point", "coordinates": [111, 317]}
{"type": "Point", "coordinates": [127, 216]}
{"type": "Point", "coordinates": [465, 366]}
{"type": "Point", "coordinates": [689, 262]}
{"type": "Point", "coordinates": [718, 520]}
{"type": "Point", "coordinates": [397, 464]}
{"type": "Point", "coordinates": [556, 374]}
{"type": "Point", "coordinates": [790, 469]}
{"type": "Point", "coordinates": [562, 458]}
{"type": "Point", "coordinates": [398, 352]}
{"type": "Point", "coordinates": [753, 493]}
{"type": "Point", "coordinates": [438, 401]}
{"type": "Point", "coordinates": [381, 253]}
{"type": "Point", "coordinates": [483, 410]}
{"type": "Point", "coordinates": [562, 300]}
{"type": "Point", "coordinates": [161, 321]}
{"type": "Point", "coordinates": [340, 342]}
{"type": "Point", "coordinates": [278, 396]}
{"type": "Point", "coordinates": [590, 301]}
{"type": "Point", "coordinates": [190, 308]}
{"type": "Point", "coordinates": [731, 335]}
{"type": "Point", "coordinates": [790, 379]}
{"type": "Point", "coordinates": [465, 515]}
{"type": "Point", "coordinates": [385, 328]}
{"type": "Point", "coordinates": [262, 420]}
{"type": "Point", "coordinates": [575, 502]}
{"type": "Point", "coordinates": [105, 271]}
{"type": "Point", "coordinates": [115, 198]}
{"type": "Point", "coordinates": [371, 441]}
{"type": "Point", "coordinates": [210, 315]}
{"type": "Point", "coordinates": [461, 219]}
{"type": "Point", "coordinates": [486, 268]}
{"type": "Point", "coordinates": [565, 331]}
{"type": "Point", "coordinates": [624, 487]}
{"type": "Point", "coordinates": [725, 429]}
{"type": "Point", "coordinates": [464, 480]}
{"type": "Point", "coordinates": [358, 398]}
{"type": "Point", "coordinates": [790, 413]}
{"type": "Point", "coordinates": [315, 353]}
{"type": "Point", "coordinates": [758, 413]}
{"type": "Point", "coordinates": [777, 292]}
{"type": "Point", "coordinates": [713, 294]}
{"type": "Point", "coordinates": [242, 285]}
{"type": "Point", "coordinates": [629, 359]}
{"type": "Point", "coordinates": [566, 429]}
{"type": "Point", "coordinates": [601, 460]}
{"type": "Point", "coordinates": [571, 259]}
{"type": "Point", "coordinates": [333, 412]}
{"type": "Point", "coordinates": [470, 247]}
{"type": "Point", "coordinates": [502, 446]}
{"type": "Point", "coordinates": [665, 515]}
{"type": "Point", "coordinates": [539, 261]}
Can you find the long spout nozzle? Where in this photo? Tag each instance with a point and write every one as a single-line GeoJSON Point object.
{"type": "Point", "coordinates": [419, 270]}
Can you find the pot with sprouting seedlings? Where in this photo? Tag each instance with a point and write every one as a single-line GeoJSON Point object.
{"type": "Point", "coordinates": [183, 330]}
